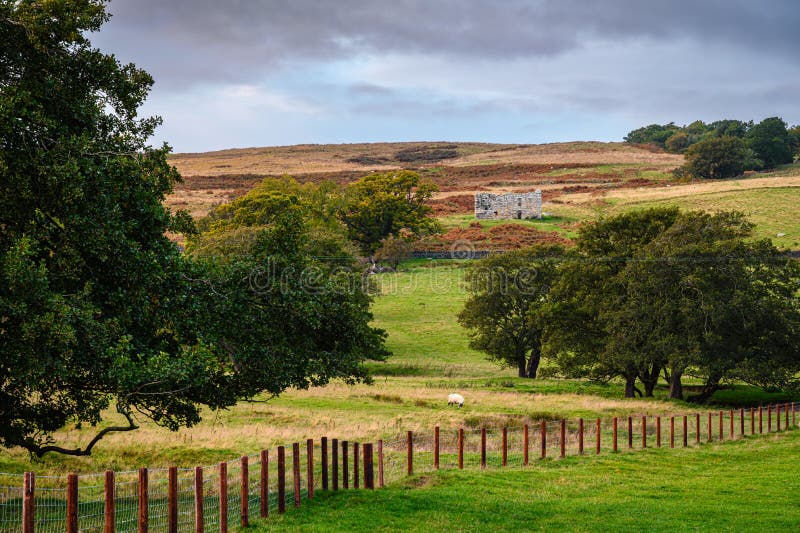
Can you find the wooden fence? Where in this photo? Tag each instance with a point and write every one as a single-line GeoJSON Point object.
{"type": "Point", "coordinates": [228, 494]}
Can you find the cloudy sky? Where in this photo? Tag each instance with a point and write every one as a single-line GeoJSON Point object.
{"type": "Point", "coordinates": [239, 73]}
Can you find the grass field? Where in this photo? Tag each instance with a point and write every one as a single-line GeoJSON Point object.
{"type": "Point", "coordinates": [746, 485]}
{"type": "Point", "coordinates": [417, 307]}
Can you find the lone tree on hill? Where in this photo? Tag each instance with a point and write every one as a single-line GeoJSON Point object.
{"type": "Point", "coordinates": [97, 306]}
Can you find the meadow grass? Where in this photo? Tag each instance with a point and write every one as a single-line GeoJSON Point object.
{"type": "Point", "coordinates": [417, 306]}
{"type": "Point", "coordinates": [743, 485]}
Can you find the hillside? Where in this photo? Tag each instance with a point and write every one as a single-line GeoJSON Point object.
{"type": "Point", "coordinates": [459, 169]}
{"type": "Point", "coordinates": [580, 181]}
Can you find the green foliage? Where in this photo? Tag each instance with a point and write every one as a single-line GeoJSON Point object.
{"type": "Point", "coordinates": [97, 306]}
{"type": "Point", "coordinates": [717, 157]}
{"type": "Point", "coordinates": [577, 338]}
{"type": "Point", "coordinates": [678, 293]}
{"type": "Point", "coordinates": [652, 134]}
{"type": "Point", "coordinates": [394, 249]}
{"type": "Point", "coordinates": [771, 142]}
{"type": "Point", "coordinates": [504, 310]}
{"type": "Point", "coordinates": [382, 204]}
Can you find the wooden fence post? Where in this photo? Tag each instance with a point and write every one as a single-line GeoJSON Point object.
{"type": "Point", "coordinates": [794, 418]}
{"type": "Point", "coordinates": [483, 447]}
{"type": "Point", "coordinates": [630, 432]}
{"type": "Point", "coordinates": [563, 444]}
{"type": "Point", "coordinates": [172, 499]}
{"type": "Point", "coordinates": [109, 510]}
{"type": "Point", "coordinates": [296, 473]}
{"type": "Point", "coordinates": [369, 477]}
{"type": "Point", "coordinates": [356, 450]}
{"type": "Point", "coordinates": [672, 432]}
{"type": "Point", "coordinates": [199, 517]}
{"type": "Point", "coordinates": [741, 422]}
{"type": "Point", "coordinates": [72, 503]}
{"type": "Point", "coordinates": [28, 502]}
{"type": "Point", "coordinates": [597, 437]}
{"type": "Point", "coordinates": [380, 463]}
{"type": "Point", "coordinates": [505, 446]}
{"type": "Point", "coordinates": [436, 447]}
{"type": "Point", "coordinates": [658, 432]}
{"type": "Point", "coordinates": [461, 448]}
{"type": "Point", "coordinates": [730, 424]}
{"type": "Point", "coordinates": [614, 435]}
{"type": "Point", "coordinates": [281, 479]}
{"type": "Point", "coordinates": [144, 518]}
{"type": "Point", "coordinates": [244, 499]}
{"type": "Point", "coordinates": [310, 467]}
{"type": "Point", "coordinates": [324, 456]}
{"type": "Point", "coordinates": [264, 483]}
{"type": "Point", "coordinates": [769, 418]}
{"type": "Point", "coordinates": [644, 432]}
{"type": "Point", "coordinates": [721, 425]}
{"type": "Point", "coordinates": [697, 428]}
{"type": "Point", "coordinates": [335, 463]}
{"type": "Point", "coordinates": [410, 450]}
{"type": "Point", "coordinates": [223, 497]}
{"type": "Point", "coordinates": [580, 436]}
{"type": "Point", "coordinates": [544, 439]}
{"type": "Point", "coordinates": [525, 444]}
{"type": "Point", "coordinates": [786, 412]}
{"type": "Point", "coordinates": [685, 431]}
{"type": "Point", "coordinates": [752, 421]}
{"type": "Point", "coordinates": [345, 466]}
{"type": "Point", "coordinates": [710, 436]}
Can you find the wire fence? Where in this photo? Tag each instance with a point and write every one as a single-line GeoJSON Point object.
{"type": "Point", "coordinates": [229, 494]}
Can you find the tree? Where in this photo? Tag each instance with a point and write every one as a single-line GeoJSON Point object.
{"type": "Point", "coordinates": [394, 249]}
{"type": "Point", "coordinates": [771, 142]}
{"type": "Point", "coordinates": [382, 204]}
{"type": "Point", "coordinates": [716, 158]}
{"type": "Point", "coordinates": [656, 134]}
{"type": "Point", "coordinates": [583, 301]}
{"type": "Point", "coordinates": [504, 310]}
{"type": "Point", "coordinates": [691, 295]}
{"type": "Point", "coordinates": [97, 306]}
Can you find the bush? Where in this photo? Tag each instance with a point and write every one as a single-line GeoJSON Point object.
{"type": "Point", "coordinates": [716, 158]}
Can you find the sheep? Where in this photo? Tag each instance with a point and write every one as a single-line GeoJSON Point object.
{"type": "Point", "coordinates": [455, 399]}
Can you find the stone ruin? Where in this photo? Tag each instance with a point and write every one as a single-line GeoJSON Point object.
{"type": "Point", "coordinates": [490, 206]}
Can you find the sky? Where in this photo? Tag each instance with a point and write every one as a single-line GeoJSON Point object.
{"type": "Point", "coordinates": [243, 73]}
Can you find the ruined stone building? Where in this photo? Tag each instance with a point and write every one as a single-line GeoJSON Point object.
{"type": "Point", "coordinates": [510, 205]}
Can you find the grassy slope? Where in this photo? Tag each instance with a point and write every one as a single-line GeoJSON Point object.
{"type": "Point", "coordinates": [747, 485]}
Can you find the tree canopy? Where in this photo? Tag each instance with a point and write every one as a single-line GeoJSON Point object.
{"type": "Point", "coordinates": [383, 204]}
{"type": "Point", "coordinates": [504, 312]}
{"type": "Point", "coordinates": [768, 143]}
{"type": "Point", "coordinates": [663, 292]}
{"type": "Point", "coordinates": [98, 308]}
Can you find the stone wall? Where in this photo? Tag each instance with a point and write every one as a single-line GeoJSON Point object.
{"type": "Point", "coordinates": [490, 206]}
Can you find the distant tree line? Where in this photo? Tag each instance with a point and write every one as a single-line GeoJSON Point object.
{"type": "Point", "coordinates": [646, 295]}
{"type": "Point", "coordinates": [724, 148]}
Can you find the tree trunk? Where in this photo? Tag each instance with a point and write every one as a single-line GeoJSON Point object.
{"type": "Point", "coordinates": [533, 363]}
{"type": "Point", "coordinates": [522, 370]}
{"type": "Point", "coordinates": [650, 379]}
{"type": "Point", "coordinates": [630, 386]}
{"type": "Point", "coordinates": [675, 385]}
{"type": "Point", "coordinates": [708, 391]}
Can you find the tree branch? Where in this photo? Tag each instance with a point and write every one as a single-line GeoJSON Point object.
{"type": "Point", "coordinates": [39, 451]}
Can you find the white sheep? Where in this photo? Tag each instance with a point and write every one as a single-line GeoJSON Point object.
{"type": "Point", "coordinates": [455, 399]}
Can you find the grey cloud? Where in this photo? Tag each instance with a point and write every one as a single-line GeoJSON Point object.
{"type": "Point", "coordinates": [187, 41]}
